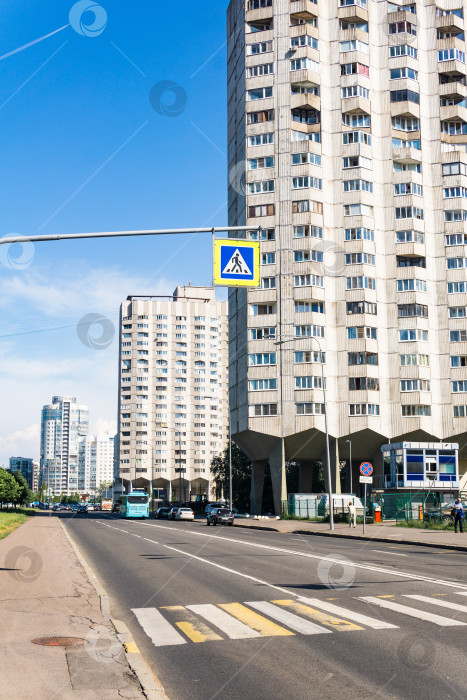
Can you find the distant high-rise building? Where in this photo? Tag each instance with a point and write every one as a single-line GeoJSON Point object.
{"type": "Point", "coordinates": [349, 120]}
{"type": "Point", "coordinates": [172, 390]}
{"type": "Point", "coordinates": [63, 426]}
{"type": "Point", "coordinates": [96, 462]}
{"type": "Point", "coordinates": [29, 468]}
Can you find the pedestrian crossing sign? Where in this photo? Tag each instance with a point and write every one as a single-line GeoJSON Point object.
{"type": "Point", "coordinates": [236, 263]}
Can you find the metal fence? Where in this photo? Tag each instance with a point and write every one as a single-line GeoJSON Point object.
{"type": "Point", "coordinates": [426, 506]}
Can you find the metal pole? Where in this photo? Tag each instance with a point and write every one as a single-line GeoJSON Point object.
{"type": "Point", "coordinates": [116, 234]}
{"type": "Point", "coordinates": [230, 461]}
{"type": "Point", "coordinates": [180, 465]}
{"type": "Point", "coordinates": [328, 457]}
{"type": "Point", "coordinates": [364, 510]}
{"type": "Point", "coordinates": [350, 461]}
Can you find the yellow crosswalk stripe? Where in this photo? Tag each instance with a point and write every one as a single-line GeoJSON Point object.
{"type": "Point", "coordinates": [194, 628]}
{"type": "Point", "coordinates": [266, 627]}
{"type": "Point", "coordinates": [336, 623]}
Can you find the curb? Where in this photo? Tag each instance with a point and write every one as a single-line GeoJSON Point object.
{"type": "Point", "coordinates": [365, 538]}
{"type": "Point", "coordinates": [150, 684]}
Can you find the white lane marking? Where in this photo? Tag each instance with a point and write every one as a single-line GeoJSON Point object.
{"type": "Point", "coordinates": [412, 612]}
{"type": "Point", "coordinates": [148, 540]}
{"type": "Point", "coordinates": [371, 622]}
{"type": "Point", "coordinates": [382, 551]}
{"type": "Point", "coordinates": [461, 592]}
{"type": "Point", "coordinates": [299, 624]}
{"type": "Point", "coordinates": [436, 601]}
{"type": "Point", "coordinates": [230, 571]}
{"type": "Point", "coordinates": [232, 627]}
{"type": "Point", "coordinates": [157, 628]}
{"type": "Point", "coordinates": [356, 565]}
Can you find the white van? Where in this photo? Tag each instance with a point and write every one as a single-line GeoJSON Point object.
{"type": "Point", "coordinates": [340, 503]}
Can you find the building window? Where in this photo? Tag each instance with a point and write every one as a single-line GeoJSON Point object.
{"type": "Point", "coordinates": [363, 384]}
{"type": "Point", "coordinates": [309, 409]}
{"type": "Point", "coordinates": [260, 47]}
{"type": "Point", "coordinates": [414, 359]}
{"type": "Point", "coordinates": [359, 234]}
{"type": "Point", "coordinates": [262, 358]}
{"type": "Point", "coordinates": [299, 183]}
{"type": "Point", "coordinates": [363, 409]}
{"type": "Point", "coordinates": [362, 358]}
{"type": "Point", "coordinates": [259, 93]}
{"type": "Point", "coordinates": [257, 163]}
{"type": "Point", "coordinates": [262, 384]}
{"type": "Point", "coordinates": [267, 333]}
{"type": "Point", "coordinates": [416, 410]}
{"type": "Point", "coordinates": [308, 382]}
{"type": "Point", "coordinates": [308, 281]}
{"type": "Point", "coordinates": [309, 306]}
{"type": "Point", "coordinates": [304, 158]}
{"type": "Point", "coordinates": [309, 331]}
{"type": "Point", "coordinates": [411, 310]}
{"type": "Point", "coordinates": [307, 205]}
{"type": "Point", "coordinates": [265, 115]}
{"type": "Point", "coordinates": [261, 210]}
{"type": "Point", "coordinates": [261, 186]}
{"type": "Point", "coordinates": [358, 332]}
{"type": "Point", "coordinates": [459, 336]}
{"type": "Point", "coordinates": [415, 385]}
{"type": "Point", "coordinates": [307, 231]}
{"type": "Point", "coordinates": [361, 282]}
{"type": "Point", "coordinates": [410, 237]}
{"type": "Point", "coordinates": [309, 356]}
{"type": "Point", "coordinates": [361, 307]}
{"type": "Point", "coordinates": [262, 409]}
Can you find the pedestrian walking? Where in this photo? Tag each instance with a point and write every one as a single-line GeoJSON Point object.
{"type": "Point", "coordinates": [458, 512]}
{"type": "Point", "coordinates": [352, 515]}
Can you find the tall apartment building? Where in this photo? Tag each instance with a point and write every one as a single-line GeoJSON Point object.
{"type": "Point", "coordinates": [29, 468]}
{"type": "Point", "coordinates": [63, 426]}
{"type": "Point", "coordinates": [172, 391]}
{"type": "Point", "coordinates": [96, 462]}
{"type": "Point", "coordinates": [350, 117]}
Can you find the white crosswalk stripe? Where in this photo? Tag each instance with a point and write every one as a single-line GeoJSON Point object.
{"type": "Point", "coordinates": [161, 632]}
{"type": "Point", "coordinates": [412, 612]}
{"type": "Point", "coordinates": [296, 623]}
{"type": "Point", "coordinates": [233, 628]}
{"type": "Point", "coordinates": [440, 603]}
{"type": "Point", "coordinates": [371, 622]}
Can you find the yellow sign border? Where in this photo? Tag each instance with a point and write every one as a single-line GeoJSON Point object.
{"type": "Point", "coordinates": [217, 279]}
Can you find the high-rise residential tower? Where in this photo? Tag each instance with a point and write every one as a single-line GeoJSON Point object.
{"type": "Point", "coordinates": [172, 391]}
{"type": "Point", "coordinates": [64, 424]}
{"type": "Point", "coordinates": [349, 118]}
{"type": "Point", "coordinates": [96, 462]}
{"type": "Point", "coordinates": [29, 468]}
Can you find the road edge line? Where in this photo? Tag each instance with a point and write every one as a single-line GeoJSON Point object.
{"type": "Point", "coordinates": [150, 684]}
{"type": "Point", "coordinates": [365, 538]}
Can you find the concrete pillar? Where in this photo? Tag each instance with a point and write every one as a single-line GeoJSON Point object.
{"type": "Point", "coordinates": [305, 476]}
{"type": "Point", "coordinates": [187, 491]}
{"type": "Point", "coordinates": [257, 483]}
{"type": "Point", "coordinates": [169, 495]}
{"type": "Point", "coordinates": [335, 467]}
{"type": "Point", "coordinates": [279, 485]}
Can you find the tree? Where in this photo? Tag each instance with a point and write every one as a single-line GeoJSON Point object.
{"type": "Point", "coordinates": [241, 477]}
{"type": "Point", "coordinates": [24, 493]}
{"type": "Point", "coordinates": [8, 487]}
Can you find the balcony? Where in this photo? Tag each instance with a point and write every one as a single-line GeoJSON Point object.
{"type": "Point", "coordinates": [405, 109]}
{"type": "Point", "coordinates": [353, 13]}
{"type": "Point", "coordinates": [453, 90]}
{"type": "Point", "coordinates": [407, 155]}
{"type": "Point", "coordinates": [258, 11]}
{"type": "Point", "coordinates": [305, 101]}
{"type": "Point", "coordinates": [450, 23]}
{"type": "Point", "coordinates": [303, 9]}
{"type": "Point", "coordinates": [454, 112]}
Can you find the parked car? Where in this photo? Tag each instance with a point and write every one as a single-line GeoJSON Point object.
{"type": "Point", "coordinates": [56, 507]}
{"type": "Point", "coordinates": [116, 508]}
{"type": "Point", "coordinates": [432, 512]}
{"type": "Point", "coordinates": [213, 505]}
{"type": "Point", "coordinates": [83, 508]}
{"type": "Point", "coordinates": [91, 507]}
{"type": "Point", "coordinates": [172, 512]}
{"type": "Point", "coordinates": [220, 516]}
{"type": "Point", "coordinates": [184, 514]}
{"type": "Point", "coordinates": [162, 512]}
{"type": "Point", "coordinates": [74, 508]}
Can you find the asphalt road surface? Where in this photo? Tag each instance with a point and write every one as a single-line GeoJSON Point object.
{"type": "Point", "coordinates": [234, 613]}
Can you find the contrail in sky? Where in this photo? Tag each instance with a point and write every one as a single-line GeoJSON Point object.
{"type": "Point", "coordinates": [31, 43]}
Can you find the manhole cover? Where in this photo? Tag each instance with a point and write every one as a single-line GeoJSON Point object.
{"type": "Point", "coordinates": [58, 641]}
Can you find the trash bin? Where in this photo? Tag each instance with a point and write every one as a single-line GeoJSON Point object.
{"type": "Point", "coordinates": [377, 515]}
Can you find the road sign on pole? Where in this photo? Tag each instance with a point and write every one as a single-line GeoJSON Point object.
{"type": "Point", "coordinates": [366, 469]}
{"type": "Point", "coordinates": [366, 479]}
{"type": "Point", "coordinates": [236, 263]}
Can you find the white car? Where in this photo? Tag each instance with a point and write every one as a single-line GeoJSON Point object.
{"type": "Point", "coordinates": [90, 507]}
{"type": "Point", "coordinates": [184, 514]}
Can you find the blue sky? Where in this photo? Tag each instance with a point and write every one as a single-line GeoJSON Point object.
{"type": "Point", "coordinates": [85, 149]}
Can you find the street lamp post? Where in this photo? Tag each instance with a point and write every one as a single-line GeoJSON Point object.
{"type": "Point", "coordinates": [328, 456]}
{"type": "Point", "coordinates": [230, 460]}
{"type": "Point", "coordinates": [350, 461]}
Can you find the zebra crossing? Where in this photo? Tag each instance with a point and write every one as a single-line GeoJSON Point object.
{"type": "Point", "coordinates": [181, 624]}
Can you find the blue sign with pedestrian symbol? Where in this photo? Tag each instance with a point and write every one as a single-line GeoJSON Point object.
{"type": "Point", "coordinates": [236, 263]}
{"type": "Point", "coordinates": [366, 469]}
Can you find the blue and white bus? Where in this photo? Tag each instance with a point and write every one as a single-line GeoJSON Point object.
{"type": "Point", "coordinates": [135, 505]}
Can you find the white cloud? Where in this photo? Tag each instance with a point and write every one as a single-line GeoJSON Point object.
{"type": "Point", "coordinates": [20, 443]}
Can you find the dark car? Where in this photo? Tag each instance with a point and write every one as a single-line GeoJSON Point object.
{"type": "Point", "coordinates": [171, 515]}
{"type": "Point", "coordinates": [82, 509]}
{"type": "Point", "coordinates": [116, 508]}
{"type": "Point", "coordinates": [220, 516]}
{"type": "Point", "coordinates": [162, 513]}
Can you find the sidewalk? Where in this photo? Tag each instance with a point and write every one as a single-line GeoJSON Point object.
{"type": "Point", "coordinates": [377, 533]}
{"type": "Point", "coordinates": [46, 592]}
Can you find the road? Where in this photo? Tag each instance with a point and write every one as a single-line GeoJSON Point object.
{"type": "Point", "coordinates": [239, 613]}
